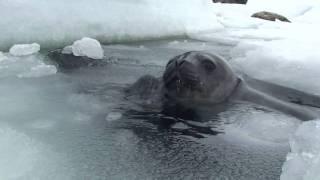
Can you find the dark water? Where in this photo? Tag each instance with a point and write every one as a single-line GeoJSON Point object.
{"type": "Point", "coordinates": [78, 125]}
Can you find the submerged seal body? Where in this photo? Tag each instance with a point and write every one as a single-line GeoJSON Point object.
{"type": "Point", "coordinates": [198, 78]}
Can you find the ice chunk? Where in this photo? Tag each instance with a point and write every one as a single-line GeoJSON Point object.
{"type": "Point", "coordinates": [86, 47]}
{"type": "Point", "coordinates": [303, 162]}
{"type": "Point", "coordinates": [24, 49]}
{"type": "Point", "coordinates": [180, 126]}
{"type": "Point", "coordinates": [113, 116]}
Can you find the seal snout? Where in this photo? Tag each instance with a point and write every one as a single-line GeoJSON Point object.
{"type": "Point", "coordinates": [181, 76]}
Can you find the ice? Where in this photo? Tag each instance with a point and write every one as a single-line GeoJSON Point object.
{"type": "Point", "coordinates": [24, 61]}
{"type": "Point", "coordinates": [303, 162]}
{"type": "Point", "coordinates": [85, 47]}
{"type": "Point", "coordinates": [25, 66]}
{"type": "Point", "coordinates": [2, 56]}
{"type": "Point", "coordinates": [113, 116]}
{"type": "Point", "coordinates": [59, 23]}
{"type": "Point", "coordinates": [107, 21]}
{"type": "Point", "coordinates": [291, 62]}
{"type": "Point", "coordinates": [283, 53]}
{"type": "Point", "coordinates": [24, 49]}
{"type": "Point", "coordinates": [23, 157]}
{"type": "Point", "coordinates": [67, 50]}
{"type": "Point", "coordinates": [39, 71]}
{"type": "Point", "coordinates": [18, 153]}
{"type": "Point", "coordinates": [257, 125]}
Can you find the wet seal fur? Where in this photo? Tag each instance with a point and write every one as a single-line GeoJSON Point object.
{"type": "Point", "coordinates": [198, 78]}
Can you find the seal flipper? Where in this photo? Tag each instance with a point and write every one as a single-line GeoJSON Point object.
{"type": "Point", "coordinates": [285, 93]}
{"type": "Point", "coordinates": [247, 93]}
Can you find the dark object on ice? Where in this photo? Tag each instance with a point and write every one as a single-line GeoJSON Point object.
{"type": "Point", "coordinates": [68, 61]}
{"type": "Point", "coordinates": [196, 79]}
{"type": "Point", "coordinates": [270, 16]}
{"type": "Point", "coordinates": [231, 1]}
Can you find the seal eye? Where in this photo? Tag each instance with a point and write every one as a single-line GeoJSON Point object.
{"type": "Point", "coordinates": [208, 65]}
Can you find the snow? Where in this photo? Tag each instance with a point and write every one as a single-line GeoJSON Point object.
{"type": "Point", "coordinates": [303, 161]}
{"type": "Point", "coordinates": [85, 47]}
{"type": "Point", "coordinates": [24, 49]}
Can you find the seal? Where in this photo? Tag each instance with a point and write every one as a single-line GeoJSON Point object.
{"type": "Point", "coordinates": [270, 16]}
{"type": "Point", "coordinates": [202, 79]}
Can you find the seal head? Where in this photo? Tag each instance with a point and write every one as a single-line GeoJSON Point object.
{"type": "Point", "coordinates": [199, 77]}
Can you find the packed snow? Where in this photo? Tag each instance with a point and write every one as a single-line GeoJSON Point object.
{"type": "Point", "coordinates": [87, 47]}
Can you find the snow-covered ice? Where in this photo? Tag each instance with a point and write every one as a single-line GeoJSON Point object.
{"type": "Point", "coordinates": [85, 47]}
{"type": "Point", "coordinates": [24, 49]}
